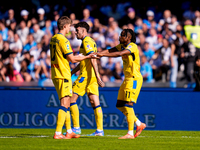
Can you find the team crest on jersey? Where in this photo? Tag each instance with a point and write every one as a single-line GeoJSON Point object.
{"type": "Point", "coordinates": [88, 46]}
{"type": "Point", "coordinates": [129, 46]}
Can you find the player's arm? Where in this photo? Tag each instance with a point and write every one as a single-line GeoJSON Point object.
{"type": "Point", "coordinates": [77, 68]}
{"type": "Point", "coordinates": [95, 67]}
{"type": "Point", "coordinates": [77, 58]}
{"type": "Point", "coordinates": [108, 51]}
{"type": "Point", "coordinates": [114, 54]}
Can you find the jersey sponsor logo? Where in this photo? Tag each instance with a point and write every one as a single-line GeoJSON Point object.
{"type": "Point", "coordinates": [129, 46]}
{"type": "Point", "coordinates": [54, 66]}
{"type": "Point", "coordinates": [55, 40]}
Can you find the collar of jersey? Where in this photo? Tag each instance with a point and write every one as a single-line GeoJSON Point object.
{"type": "Point", "coordinates": [60, 33]}
{"type": "Point", "coordinates": [84, 37]}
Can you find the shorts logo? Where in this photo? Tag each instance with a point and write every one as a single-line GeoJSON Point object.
{"type": "Point", "coordinates": [70, 91]}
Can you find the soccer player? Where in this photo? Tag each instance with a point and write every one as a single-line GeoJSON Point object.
{"type": "Point", "coordinates": [61, 55]}
{"type": "Point", "coordinates": [130, 88]}
{"type": "Point", "coordinates": [87, 82]}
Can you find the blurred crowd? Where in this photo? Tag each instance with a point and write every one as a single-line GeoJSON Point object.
{"type": "Point", "coordinates": [164, 48]}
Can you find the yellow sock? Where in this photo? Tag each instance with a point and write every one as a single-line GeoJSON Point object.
{"type": "Point", "coordinates": [98, 117]}
{"type": "Point", "coordinates": [130, 115]}
{"type": "Point", "coordinates": [68, 121]}
{"type": "Point", "coordinates": [61, 118]}
{"type": "Point", "coordinates": [75, 114]}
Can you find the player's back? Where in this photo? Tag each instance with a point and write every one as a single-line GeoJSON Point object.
{"type": "Point", "coordinates": [88, 46]}
{"type": "Point", "coordinates": [59, 48]}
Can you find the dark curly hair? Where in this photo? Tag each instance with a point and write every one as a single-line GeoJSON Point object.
{"type": "Point", "coordinates": [83, 25]}
{"type": "Point", "coordinates": [133, 37]}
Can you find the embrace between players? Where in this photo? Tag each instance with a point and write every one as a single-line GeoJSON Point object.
{"type": "Point", "coordinates": [89, 79]}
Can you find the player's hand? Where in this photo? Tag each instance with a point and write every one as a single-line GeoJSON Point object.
{"type": "Point", "coordinates": [94, 55]}
{"type": "Point", "coordinates": [100, 83]}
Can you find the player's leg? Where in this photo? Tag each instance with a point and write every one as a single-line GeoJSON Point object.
{"type": "Point", "coordinates": [79, 89]}
{"type": "Point", "coordinates": [94, 100]}
{"type": "Point", "coordinates": [127, 109]}
{"type": "Point", "coordinates": [75, 114]}
{"type": "Point", "coordinates": [137, 84]}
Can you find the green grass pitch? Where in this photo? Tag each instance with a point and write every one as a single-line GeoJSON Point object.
{"type": "Point", "coordinates": [42, 139]}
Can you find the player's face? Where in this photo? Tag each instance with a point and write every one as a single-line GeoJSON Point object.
{"type": "Point", "coordinates": [79, 33]}
{"type": "Point", "coordinates": [67, 28]}
{"type": "Point", "coordinates": [122, 38]}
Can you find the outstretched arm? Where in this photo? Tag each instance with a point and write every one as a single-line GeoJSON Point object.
{"type": "Point", "coordinates": [114, 54]}
{"type": "Point", "coordinates": [95, 67]}
{"type": "Point", "coordinates": [77, 58]}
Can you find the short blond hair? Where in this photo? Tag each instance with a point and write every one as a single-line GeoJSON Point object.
{"type": "Point", "coordinates": [63, 21]}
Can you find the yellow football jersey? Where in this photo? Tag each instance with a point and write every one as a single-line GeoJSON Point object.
{"type": "Point", "coordinates": [59, 48]}
{"type": "Point", "coordinates": [131, 62]}
{"type": "Point", "coordinates": [88, 46]}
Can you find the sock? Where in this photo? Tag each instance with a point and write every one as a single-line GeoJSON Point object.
{"type": "Point", "coordinates": [130, 132]}
{"type": "Point", "coordinates": [98, 117]}
{"type": "Point", "coordinates": [68, 120]}
{"type": "Point", "coordinates": [61, 118]}
{"type": "Point", "coordinates": [69, 131]}
{"type": "Point", "coordinates": [58, 133]}
{"type": "Point", "coordinates": [128, 111]}
{"type": "Point", "coordinates": [137, 122]}
{"type": "Point", "coordinates": [75, 114]}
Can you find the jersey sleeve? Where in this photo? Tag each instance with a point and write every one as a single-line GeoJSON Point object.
{"type": "Point", "coordinates": [66, 48]}
{"type": "Point", "coordinates": [132, 48]}
{"type": "Point", "coordinates": [88, 47]}
{"type": "Point", "coordinates": [118, 47]}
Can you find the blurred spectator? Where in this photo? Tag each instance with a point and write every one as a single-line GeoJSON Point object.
{"type": "Point", "coordinates": [152, 38]}
{"type": "Point", "coordinates": [75, 43]}
{"type": "Point", "coordinates": [87, 18]}
{"type": "Point", "coordinates": [25, 18]}
{"type": "Point", "coordinates": [38, 33]}
{"type": "Point", "coordinates": [48, 29]}
{"type": "Point", "coordinates": [3, 30]}
{"type": "Point", "coordinates": [138, 25]}
{"type": "Point", "coordinates": [197, 73]}
{"type": "Point", "coordinates": [23, 32]}
{"type": "Point", "coordinates": [158, 44]}
{"type": "Point", "coordinates": [10, 18]}
{"type": "Point", "coordinates": [128, 18]}
{"type": "Point", "coordinates": [147, 51]}
{"type": "Point", "coordinates": [45, 42]}
{"type": "Point", "coordinates": [10, 38]}
{"type": "Point", "coordinates": [188, 54]}
{"type": "Point", "coordinates": [73, 18]}
{"type": "Point", "coordinates": [54, 21]}
{"type": "Point", "coordinates": [166, 53]}
{"type": "Point", "coordinates": [156, 62]}
{"type": "Point", "coordinates": [13, 74]}
{"type": "Point", "coordinates": [2, 72]}
{"type": "Point", "coordinates": [31, 44]}
{"type": "Point", "coordinates": [150, 17]}
{"type": "Point", "coordinates": [174, 23]}
{"type": "Point", "coordinates": [16, 46]}
{"type": "Point", "coordinates": [5, 53]}
{"type": "Point", "coordinates": [146, 70]}
{"type": "Point", "coordinates": [37, 51]}
{"type": "Point", "coordinates": [197, 18]}
{"type": "Point", "coordinates": [41, 17]}
{"type": "Point", "coordinates": [117, 72]}
{"type": "Point", "coordinates": [175, 53]}
{"type": "Point", "coordinates": [1, 42]}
